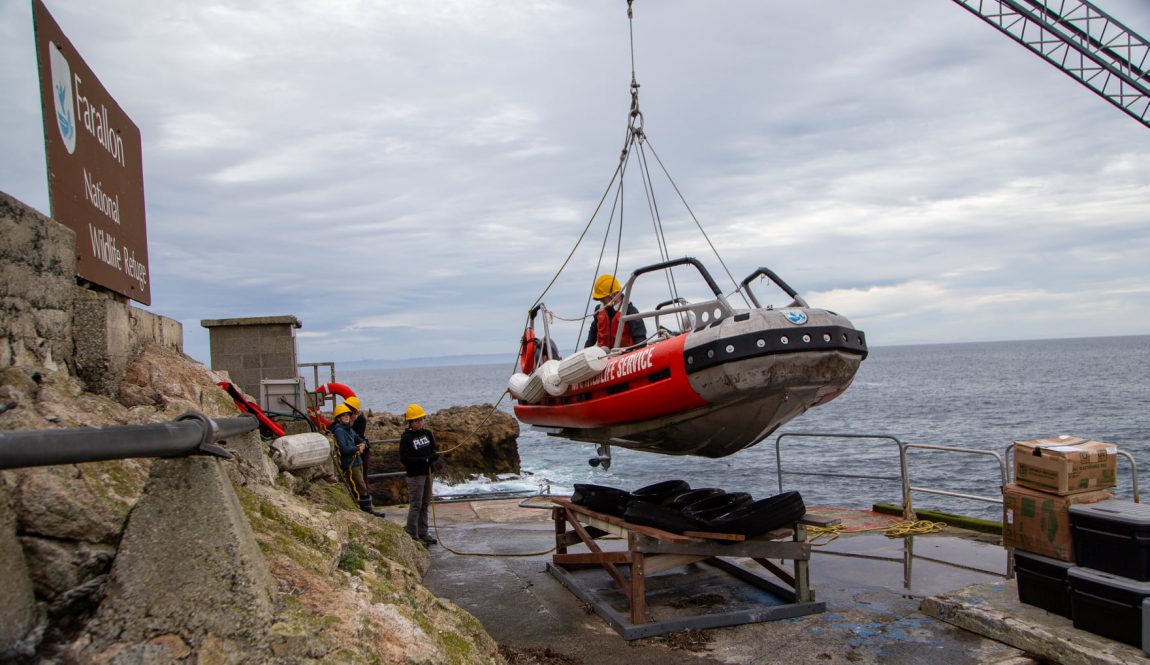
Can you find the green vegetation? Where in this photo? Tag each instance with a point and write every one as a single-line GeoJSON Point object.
{"type": "Point", "coordinates": [458, 648]}
{"type": "Point", "coordinates": [959, 521]}
{"type": "Point", "coordinates": [352, 558]}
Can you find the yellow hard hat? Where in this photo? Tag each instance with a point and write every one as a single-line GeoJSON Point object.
{"type": "Point", "coordinates": [605, 285]}
{"type": "Point", "coordinates": [353, 403]}
{"type": "Point", "coordinates": [414, 412]}
{"type": "Point", "coordinates": [339, 410]}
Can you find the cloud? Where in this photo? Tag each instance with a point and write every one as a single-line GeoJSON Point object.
{"type": "Point", "coordinates": [407, 177]}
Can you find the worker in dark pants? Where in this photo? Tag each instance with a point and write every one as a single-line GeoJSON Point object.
{"type": "Point", "coordinates": [417, 452]}
{"type": "Point", "coordinates": [351, 447]}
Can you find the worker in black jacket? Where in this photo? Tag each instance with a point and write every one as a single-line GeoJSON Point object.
{"type": "Point", "coordinates": [417, 452]}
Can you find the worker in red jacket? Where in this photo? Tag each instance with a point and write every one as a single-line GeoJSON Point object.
{"type": "Point", "coordinates": [605, 323]}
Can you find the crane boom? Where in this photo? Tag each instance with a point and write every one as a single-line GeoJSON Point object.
{"type": "Point", "coordinates": [1087, 44]}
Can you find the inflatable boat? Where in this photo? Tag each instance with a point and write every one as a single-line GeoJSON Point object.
{"type": "Point", "coordinates": [724, 383]}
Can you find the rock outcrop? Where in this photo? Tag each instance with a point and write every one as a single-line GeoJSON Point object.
{"type": "Point", "coordinates": [474, 441]}
{"type": "Point", "coordinates": [123, 563]}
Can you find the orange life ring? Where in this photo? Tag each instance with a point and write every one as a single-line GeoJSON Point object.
{"type": "Point", "coordinates": [528, 347]}
{"type": "Point", "coordinates": [336, 389]}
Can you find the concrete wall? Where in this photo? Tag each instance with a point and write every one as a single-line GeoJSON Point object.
{"type": "Point", "coordinates": [46, 320]}
{"type": "Point", "coordinates": [18, 611]}
{"type": "Point", "coordinates": [109, 333]}
{"type": "Point", "coordinates": [37, 288]}
{"type": "Point", "coordinates": [253, 349]}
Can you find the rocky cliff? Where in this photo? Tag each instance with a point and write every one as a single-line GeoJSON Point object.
{"type": "Point", "coordinates": [473, 441]}
{"type": "Point", "coordinates": [204, 560]}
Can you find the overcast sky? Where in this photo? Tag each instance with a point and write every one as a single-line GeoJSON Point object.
{"type": "Point", "coordinates": [406, 176]}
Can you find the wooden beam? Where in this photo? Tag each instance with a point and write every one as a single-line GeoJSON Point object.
{"type": "Point", "coordinates": [779, 572]}
{"type": "Point", "coordinates": [594, 547]}
{"type": "Point", "coordinates": [660, 562]}
{"type": "Point", "coordinates": [750, 548]}
{"type": "Point", "coordinates": [584, 558]}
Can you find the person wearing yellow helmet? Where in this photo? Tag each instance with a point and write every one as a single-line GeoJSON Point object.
{"type": "Point", "coordinates": [359, 426]}
{"type": "Point", "coordinates": [351, 448]}
{"type": "Point", "coordinates": [605, 321]}
{"type": "Point", "coordinates": [417, 452]}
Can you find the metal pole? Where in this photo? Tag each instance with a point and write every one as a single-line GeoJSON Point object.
{"type": "Point", "coordinates": [189, 433]}
{"type": "Point", "coordinates": [1133, 473]}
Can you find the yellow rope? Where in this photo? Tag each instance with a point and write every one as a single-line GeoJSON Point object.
{"type": "Point", "coordinates": [435, 525]}
{"type": "Point", "coordinates": [894, 530]}
{"type": "Point", "coordinates": [472, 433]}
{"type": "Point", "coordinates": [435, 522]}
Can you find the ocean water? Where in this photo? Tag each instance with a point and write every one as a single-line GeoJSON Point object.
{"type": "Point", "coordinates": [978, 395]}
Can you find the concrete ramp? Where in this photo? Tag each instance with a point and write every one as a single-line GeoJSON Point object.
{"type": "Point", "coordinates": [994, 611]}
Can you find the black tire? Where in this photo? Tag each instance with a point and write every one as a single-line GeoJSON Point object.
{"type": "Point", "coordinates": [601, 498]}
{"type": "Point", "coordinates": [681, 501]}
{"type": "Point", "coordinates": [660, 492]}
{"type": "Point", "coordinates": [710, 508]}
{"type": "Point", "coordinates": [759, 517]}
{"type": "Point", "coordinates": [660, 517]}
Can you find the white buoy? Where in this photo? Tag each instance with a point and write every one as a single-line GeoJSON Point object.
{"type": "Point", "coordinates": [517, 384]}
{"type": "Point", "coordinates": [300, 451]}
{"type": "Point", "coordinates": [526, 389]}
{"type": "Point", "coordinates": [548, 372]}
{"type": "Point", "coordinates": [584, 365]}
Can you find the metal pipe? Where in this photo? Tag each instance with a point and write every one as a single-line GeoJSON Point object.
{"type": "Point", "coordinates": [958, 495]}
{"type": "Point", "coordinates": [188, 434]}
{"type": "Point", "coordinates": [1133, 473]}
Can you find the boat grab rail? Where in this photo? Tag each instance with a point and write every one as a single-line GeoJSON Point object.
{"type": "Point", "coordinates": [705, 313]}
{"type": "Point", "coordinates": [1008, 455]}
{"type": "Point", "coordinates": [761, 271]}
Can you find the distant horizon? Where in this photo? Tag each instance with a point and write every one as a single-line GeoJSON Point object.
{"type": "Point", "coordinates": [456, 360]}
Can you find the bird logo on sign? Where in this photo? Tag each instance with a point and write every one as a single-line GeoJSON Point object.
{"type": "Point", "coordinates": [62, 97]}
{"type": "Point", "coordinates": [796, 317]}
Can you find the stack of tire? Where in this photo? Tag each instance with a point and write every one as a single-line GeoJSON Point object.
{"type": "Point", "coordinates": [673, 506]}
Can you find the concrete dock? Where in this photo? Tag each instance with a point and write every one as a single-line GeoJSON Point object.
{"type": "Point", "coordinates": [493, 556]}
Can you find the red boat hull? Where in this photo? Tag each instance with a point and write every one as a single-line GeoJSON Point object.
{"type": "Point", "coordinates": [645, 384]}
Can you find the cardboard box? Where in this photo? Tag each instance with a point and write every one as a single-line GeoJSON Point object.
{"type": "Point", "coordinates": [1039, 522]}
{"type": "Point", "coordinates": [1065, 464]}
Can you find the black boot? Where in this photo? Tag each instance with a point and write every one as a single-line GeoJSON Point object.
{"type": "Point", "coordinates": [367, 506]}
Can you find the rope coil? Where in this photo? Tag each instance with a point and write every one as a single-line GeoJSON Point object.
{"type": "Point", "coordinates": [894, 530]}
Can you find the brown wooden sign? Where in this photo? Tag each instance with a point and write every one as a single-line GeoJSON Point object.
{"type": "Point", "coordinates": [95, 167]}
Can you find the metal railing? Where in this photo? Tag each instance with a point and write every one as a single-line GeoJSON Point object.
{"type": "Point", "coordinates": [904, 478]}
{"type": "Point", "coordinates": [904, 473]}
{"type": "Point", "coordinates": [389, 474]}
{"type": "Point", "coordinates": [909, 489]}
{"type": "Point", "coordinates": [827, 435]}
{"type": "Point", "coordinates": [189, 434]}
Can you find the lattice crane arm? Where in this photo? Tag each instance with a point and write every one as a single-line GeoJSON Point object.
{"type": "Point", "coordinates": [1083, 41]}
